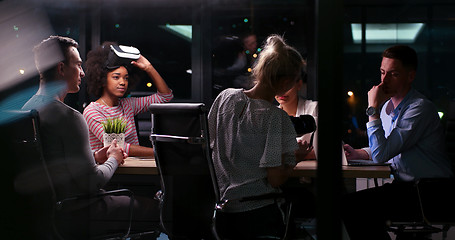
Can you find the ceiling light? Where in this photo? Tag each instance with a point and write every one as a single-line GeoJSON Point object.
{"type": "Point", "coordinates": [387, 33]}
{"type": "Point", "coordinates": [184, 31]}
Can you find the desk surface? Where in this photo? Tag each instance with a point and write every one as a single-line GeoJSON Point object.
{"type": "Point", "coordinates": [139, 166]}
{"type": "Point", "coordinates": [309, 169]}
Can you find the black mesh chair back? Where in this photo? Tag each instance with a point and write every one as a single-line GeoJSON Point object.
{"type": "Point", "coordinates": [33, 210]}
{"type": "Point", "coordinates": [181, 144]}
{"type": "Point", "coordinates": [29, 192]}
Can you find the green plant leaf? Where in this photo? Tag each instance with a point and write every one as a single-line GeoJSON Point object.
{"type": "Point", "coordinates": [114, 125]}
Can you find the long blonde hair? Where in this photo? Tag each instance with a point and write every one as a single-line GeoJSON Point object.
{"type": "Point", "coordinates": [275, 61]}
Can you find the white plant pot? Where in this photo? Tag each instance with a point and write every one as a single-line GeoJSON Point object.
{"type": "Point", "coordinates": [109, 137]}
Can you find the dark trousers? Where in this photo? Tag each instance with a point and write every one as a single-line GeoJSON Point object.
{"type": "Point", "coordinates": [365, 213]}
{"type": "Point", "coordinates": [302, 197]}
{"type": "Point", "coordinates": [109, 215]}
{"type": "Point", "coordinates": [265, 221]}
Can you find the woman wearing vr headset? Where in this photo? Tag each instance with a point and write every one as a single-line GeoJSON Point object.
{"type": "Point", "coordinates": [111, 71]}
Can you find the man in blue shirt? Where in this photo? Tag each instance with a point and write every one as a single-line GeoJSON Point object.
{"type": "Point", "coordinates": [403, 129]}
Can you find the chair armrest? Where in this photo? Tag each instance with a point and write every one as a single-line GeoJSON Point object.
{"type": "Point", "coordinates": [179, 139]}
{"type": "Point", "coordinates": [127, 192]}
{"type": "Point", "coordinates": [60, 204]}
{"type": "Point", "coordinates": [220, 204]}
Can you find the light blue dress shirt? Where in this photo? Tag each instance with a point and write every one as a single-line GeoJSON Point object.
{"type": "Point", "coordinates": [411, 137]}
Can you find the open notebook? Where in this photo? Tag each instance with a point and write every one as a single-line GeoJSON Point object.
{"type": "Point", "coordinates": [359, 162]}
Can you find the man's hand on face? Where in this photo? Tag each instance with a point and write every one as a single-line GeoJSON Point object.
{"type": "Point", "coordinates": [378, 95]}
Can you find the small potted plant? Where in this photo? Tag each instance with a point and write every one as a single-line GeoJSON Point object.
{"type": "Point", "coordinates": [114, 129]}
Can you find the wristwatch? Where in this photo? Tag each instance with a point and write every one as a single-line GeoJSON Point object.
{"type": "Point", "coordinates": [371, 111]}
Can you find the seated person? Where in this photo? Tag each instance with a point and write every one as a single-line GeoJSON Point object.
{"type": "Point", "coordinates": [295, 105]}
{"type": "Point", "coordinates": [404, 128]}
{"type": "Point", "coordinates": [66, 148]}
{"type": "Point", "coordinates": [109, 79]}
{"type": "Point", "coordinates": [301, 189]}
{"type": "Point", "coordinates": [254, 144]}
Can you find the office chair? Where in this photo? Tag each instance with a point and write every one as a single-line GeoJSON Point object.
{"type": "Point", "coordinates": [437, 212]}
{"type": "Point", "coordinates": [179, 138]}
{"type": "Point", "coordinates": [26, 177]}
{"type": "Point", "coordinates": [189, 198]}
{"type": "Point", "coordinates": [435, 216]}
{"type": "Point", "coordinates": [32, 184]}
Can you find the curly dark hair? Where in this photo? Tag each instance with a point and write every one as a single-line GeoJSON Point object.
{"type": "Point", "coordinates": [96, 71]}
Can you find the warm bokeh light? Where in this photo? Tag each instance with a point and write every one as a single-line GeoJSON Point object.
{"type": "Point", "coordinates": [255, 55]}
{"type": "Point", "coordinates": [249, 69]}
{"type": "Point", "coordinates": [21, 71]}
{"type": "Point", "coordinates": [149, 84]}
{"type": "Point", "coordinates": [352, 100]}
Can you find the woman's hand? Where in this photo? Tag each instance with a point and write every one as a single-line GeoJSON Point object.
{"type": "Point", "coordinates": [142, 63]}
{"type": "Point", "coordinates": [303, 151]}
{"type": "Point", "coordinates": [100, 155]}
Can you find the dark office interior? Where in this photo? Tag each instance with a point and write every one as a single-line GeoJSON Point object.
{"type": "Point", "coordinates": [342, 42]}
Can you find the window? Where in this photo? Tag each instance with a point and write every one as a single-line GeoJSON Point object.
{"type": "Point", "coordinates": [426, 28]}
{"type": "Point", "coordinates": [158, 33]}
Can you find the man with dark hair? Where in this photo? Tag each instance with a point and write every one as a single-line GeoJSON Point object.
{"type": "Point", "coordinates": [404, 129]}
{"type": "Point", "coordinates": [66, 147]}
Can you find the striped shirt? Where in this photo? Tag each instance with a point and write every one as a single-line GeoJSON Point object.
{"type": "Point", "coordinates": [95, 114]}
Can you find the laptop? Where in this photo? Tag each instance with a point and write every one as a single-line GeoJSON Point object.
{"type": "Point", "coordinates": [358, 162]}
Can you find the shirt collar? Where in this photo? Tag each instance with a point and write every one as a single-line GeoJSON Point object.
{"type": "Point", "coordinates": [393, 112]}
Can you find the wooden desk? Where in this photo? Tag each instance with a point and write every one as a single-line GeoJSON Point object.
{"type": "Point", "coordinates": [309, 169]}
{"type": "Point", "coordinates": [138, 166]}
{"type": "Point", "coordinates": [142, 166]}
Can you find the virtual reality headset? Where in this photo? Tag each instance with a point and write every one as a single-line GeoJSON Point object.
{"type": "Point", "coordinates": [303, 124]}
{"type": "Point", "coordinates": [121, 55]}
